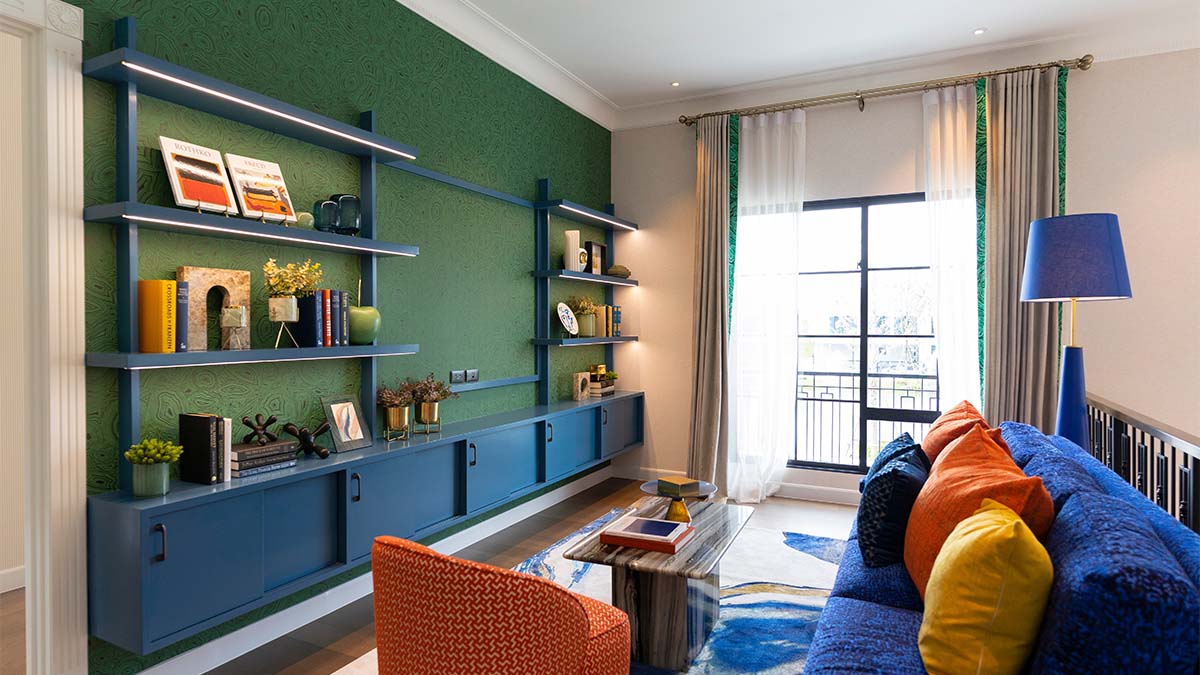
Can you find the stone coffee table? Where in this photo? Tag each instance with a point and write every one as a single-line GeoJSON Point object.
{"type": "Point", "coordinates": [672, 600]}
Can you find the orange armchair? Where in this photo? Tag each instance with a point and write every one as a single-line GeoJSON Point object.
{"type": "Point", "coordinates": [438, 615]}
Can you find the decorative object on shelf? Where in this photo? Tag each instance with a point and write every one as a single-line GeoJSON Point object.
{"type": "Point", "coordinates": [364, 321]}
{"type": "Point", "coordinates": [619, 271]}
{"type": "Point", "coordinates": [567, 318]}
{"type": "Point", "coordinates": [581, 383]}
{"type": "Point", "coordinates": [151, 460]}
{"type": "Point", "coordinates": [616, 321]}
{"type": "Point", "coordinates": [308, 439]}
{"type": "Point", "coordinates": [585, 313]}
{"type": "Point", "coordinates": [284, 284]}
{"type": "Point", "coordinates": [235, 326]}
{"type": "Point", "coordinates": [427, 395]}
{"type": "Point", "coordinates": [157, 304]}
{"type": "Point", "coordinates": [574, 257]}
{"type": "Point", "coordinates": [597, 257]}
{"type": "Point", "coordinates": [304, 219]}
{"type": "Point", "coordinates": [197, 176]}
{"type": "Point", "coordinates": [347, 426]}
{"type": "Point", "coordinates": [603, 383]}
{"type": "Point", "coordinates": [235, 292]}
{"type": "Point", "coordinates": [325, 215]}
{"type": "Point", "coordinates": [260, 429]}
{"type": "Point", "coordinates": [260, 189]}
{"type": "Point", "coordinates": [349, 219]}
{"type": "Point", "coordinates": [397, 405]}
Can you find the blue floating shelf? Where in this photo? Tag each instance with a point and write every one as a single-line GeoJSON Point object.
{"type": "Point", "coordinates": [585, 276]}
{"type": "Point", "coordinates": [580, 342]}
{"type": "Point", "coordinates": [169, 82]}
{"type": "Point", "coordinates": [191, 222]}
{"type": "Point", "coordinates": [582, 214]}
{"type": "Point", "coordinates": [124, 361]}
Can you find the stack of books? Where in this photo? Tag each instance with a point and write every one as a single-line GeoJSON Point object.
{"type": "Point", "coordinates": [608, 321]}
{"type": "Point", "coordinates": [251, 459]}
{"type": "Point", "coordinates": [601, 388]}
{"type": "Point", "coordinates": [324, 319]}
{"type": "Point", "coordinates": [649, 534]}
{"type": "Point", "coordinates": [678, 486]}
{"type": "Point", "coordinates": [210, 456]}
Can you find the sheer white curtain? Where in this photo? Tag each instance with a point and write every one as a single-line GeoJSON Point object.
{"type": "Point", "coordinates": [950, 198]}
{"type": "Point", "coordinates": [762, 352]}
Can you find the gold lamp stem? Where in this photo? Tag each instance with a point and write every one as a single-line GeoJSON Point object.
{"type": "Point", "coordinates": [1073, 303]}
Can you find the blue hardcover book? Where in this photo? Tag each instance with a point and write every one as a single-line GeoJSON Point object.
{"type": "Point", "coordinates": [310, 329]}
{"type": "Point", "coordinates": [335, 317]}
{"type": "Point", "coordinates": [345, 318]}
{"type": "Point", "coordinates": [181, 316]}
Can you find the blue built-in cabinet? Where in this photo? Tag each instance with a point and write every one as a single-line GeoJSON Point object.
{"type": "Point", "coordinates": [164, 568]}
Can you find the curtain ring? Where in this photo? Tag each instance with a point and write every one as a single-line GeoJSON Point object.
{"type": "Point", "coordinates": [862, 103]}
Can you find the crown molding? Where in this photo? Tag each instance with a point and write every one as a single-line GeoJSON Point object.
{"type": "Point", "coordinates": [479, 30]}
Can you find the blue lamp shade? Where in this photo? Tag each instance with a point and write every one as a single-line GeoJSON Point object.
{"type": "Point", "coordinates": [1078, 256]}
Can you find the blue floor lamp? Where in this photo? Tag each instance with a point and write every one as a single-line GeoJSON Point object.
{"type": "Point", "coordinates": [1077, 257]}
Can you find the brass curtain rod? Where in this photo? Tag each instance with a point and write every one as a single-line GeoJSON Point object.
{"type": "Point", "coordinates": [1082, 63]}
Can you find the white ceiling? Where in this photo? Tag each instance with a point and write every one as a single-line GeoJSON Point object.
{"type": "Point", "coordinates": [626, 53]}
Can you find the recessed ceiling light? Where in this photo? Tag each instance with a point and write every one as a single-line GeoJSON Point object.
{"type": "Point", "coordinates": [980, 31]}
{"type": "Point", "coordinates": [674, 84]}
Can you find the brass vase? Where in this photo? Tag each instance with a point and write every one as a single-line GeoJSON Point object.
{"type": "Point", "coordinates": [428, 415]}
{"type": "Point", "coordinates": [396, 422]}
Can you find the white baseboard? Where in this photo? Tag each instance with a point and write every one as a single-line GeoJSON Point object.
{"type": "Point", "coordinates": [646, 473]}
{"type": "Point", "coordinates": [819, 493]}
{"type": "Point", "coordinates": [12, 579]}
{"type": "Point", "coordinates": [228, 647]}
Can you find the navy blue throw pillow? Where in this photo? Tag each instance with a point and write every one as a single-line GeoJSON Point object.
{"type": "Point", "coordinates": [886, 503]}
{"type": "Point", "coordinates": [891, 451]}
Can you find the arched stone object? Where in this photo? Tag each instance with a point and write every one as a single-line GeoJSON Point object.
{"type": "Point", "coordinates": [235, 290]}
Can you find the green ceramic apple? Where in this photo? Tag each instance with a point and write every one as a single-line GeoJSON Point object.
{"type": "Point", "coordinates": [364, 325]}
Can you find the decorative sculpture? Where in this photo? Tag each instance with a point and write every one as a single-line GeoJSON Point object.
{"type": "Point", "coordinates": [308, 439]}
{"type": "Point", "coordinates": [260, 433]}
{"type": "Point", "coordinates": [235, 292]}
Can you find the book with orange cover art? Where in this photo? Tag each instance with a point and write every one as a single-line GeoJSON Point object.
{"type": "Point", "coordinates": [197, 176]}
{"type": "Point", "coordinates": [260, 189]}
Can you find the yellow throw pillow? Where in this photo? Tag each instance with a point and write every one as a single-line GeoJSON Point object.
{"type": "Point", "coordinates": [986, 595]}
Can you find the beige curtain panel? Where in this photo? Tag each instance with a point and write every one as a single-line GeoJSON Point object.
{"type": "Point", "coordinates": [709, 435]}
{"type": "Point", "coordinates": [1020, 339]}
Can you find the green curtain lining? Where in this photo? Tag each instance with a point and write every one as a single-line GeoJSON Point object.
{"type": "Point", "coordinates": [734, 127]}
{"type": "Point", "coordinates": [980, 211]}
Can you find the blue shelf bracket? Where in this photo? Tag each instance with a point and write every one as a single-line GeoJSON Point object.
{"type": "Point", "coordinates": [609, 291]}
{"type": "Point", "coordinates": [368, 269]}
{"type": "Point", "coordinates": [129, 428]}
{"type": "Point", "coordinates": [541, 302]}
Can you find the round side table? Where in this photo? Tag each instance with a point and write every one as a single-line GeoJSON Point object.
{"type": "Point", "coordinates": [678, 510]}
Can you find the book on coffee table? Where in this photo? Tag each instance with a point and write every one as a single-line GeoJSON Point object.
{"type": "Point", "coordinates": [650, 534]}
{"type": "Point", "coordinates": [678, 486]}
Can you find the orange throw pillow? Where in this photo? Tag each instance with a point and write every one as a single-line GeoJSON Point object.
{"type": "Point", "coordinates": [950, 425]}
{"type": "Point", "coordinates": [975, 467]}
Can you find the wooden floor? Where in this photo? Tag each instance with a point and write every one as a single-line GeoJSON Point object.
{"type": "Point", "coordinates": [12, 632]}
{"type": "Point", "coordinates": [335, 640]}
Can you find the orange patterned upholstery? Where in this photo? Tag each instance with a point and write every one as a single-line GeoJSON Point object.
{"type": "Point", "coordinates": [438, 615]}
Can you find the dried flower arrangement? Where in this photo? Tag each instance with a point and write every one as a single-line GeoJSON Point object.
{"type": "Point", "coordinates": [400, 396]}
{"type": "Point", "coordinates": [431, 390]}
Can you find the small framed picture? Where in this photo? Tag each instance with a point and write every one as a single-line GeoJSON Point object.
{"type": "Point", "coordinates": [597, 254]}
{"type": "Point", "coordinates": [346, 423]}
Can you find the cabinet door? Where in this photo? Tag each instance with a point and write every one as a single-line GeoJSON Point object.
{"type": "Point", "coordinates": [402, 495]}
{"type": "Point", "coordinates": [499, 464]}
{"type": "Point", "coordinates": [620, 425]}
{"type": "Point", "coordinates": [302, 528]}
{"type": "Point", "coordinates": [570, 442]}
{"type": "Point", "coordinates": [201, 562]}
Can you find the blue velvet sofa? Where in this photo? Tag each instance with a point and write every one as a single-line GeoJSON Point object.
{"type": "Point", "coordinates": [1124, 598]}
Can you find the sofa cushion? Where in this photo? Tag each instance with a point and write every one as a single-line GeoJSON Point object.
{"type": "Point", "coordinates": [948, 426]}
{"type": "Point", "coordinates": [974, 467]}
{"type": "Point", "coordinates": [886, 503]}
{"type": "Point", "coordinates": [892, 450]}
{"type": "Point", "coordinates": [889, 585]}
{"type": "Point", "coordinates": [986, 595]}
{"type": "Point", "coordinates": [1026, 442]}
{"type": "Point", "coordinates": [1062, 477]}
{"type": "Point", "coordinates": [1120, 602]}
{"type": "Point", "coordinates": [861, 637]}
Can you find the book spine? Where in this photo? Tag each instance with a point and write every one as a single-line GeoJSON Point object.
{"type": "Point", "coordinates": [345, 318]}
{"type": "Point", "coordinates": [616, 320]}
{"type": "Point", "coordinates": [335, 305]}
{"type": "Point", "coordinates": [242, 452]}
{"type": "Point", "coordinates": [156, 316]}
{"type": "Point", "coordinates": [608, 321]}
{"type": "Point", "coordinates": [199, 438]}
{"type": "Point", "coordinates": [264, 469]}
{"type": "Point", "coordinates": [327, 319]}
{"type": "Point", "coordinates": [310, 326]}
{"type": "Point", "coordinates": [227, 450]}
{"type": "Point", "coordinates": [181, 316]}
{"type": "Point", "coordinates": [267, 460]}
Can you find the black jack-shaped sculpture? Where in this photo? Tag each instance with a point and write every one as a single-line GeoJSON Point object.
{"type": "Point", "coordinates": [308, 439]}
{"type": "Point", "coordinates": [260, 433]}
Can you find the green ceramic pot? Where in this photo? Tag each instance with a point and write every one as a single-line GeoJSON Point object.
{"type": "Point", "coordinates": [151, 480]}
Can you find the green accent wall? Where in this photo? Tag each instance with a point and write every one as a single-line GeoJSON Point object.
{"type": "Point", "coordinates": [467, 299]}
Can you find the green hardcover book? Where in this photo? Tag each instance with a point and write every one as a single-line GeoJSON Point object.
{"type": "Point", "coordinates": [678, 486]}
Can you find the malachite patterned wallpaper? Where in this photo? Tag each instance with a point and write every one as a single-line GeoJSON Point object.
{"type": "Point", "coordinates": [467, 299]}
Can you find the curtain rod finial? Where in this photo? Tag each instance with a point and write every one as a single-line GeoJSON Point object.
{"type": "Point", "coordinates": [862, 102]}
{"type": "Point", "coordinates": [685, 120]}
{"type": "Point", "coordinates": [1086, 61]}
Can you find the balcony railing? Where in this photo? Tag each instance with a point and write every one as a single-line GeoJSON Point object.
{"type": "Point", "coordinates": [829, 409]}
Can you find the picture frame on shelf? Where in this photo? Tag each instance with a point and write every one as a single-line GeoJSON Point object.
{"type": "Point", "coordinates": [260, 188]}
{"type": "Point", "coordinates": [197, 176]}
{"type": "Point", "coordinates": [597, 258]}
{"type": "Point", "coordinates": [347, 426]}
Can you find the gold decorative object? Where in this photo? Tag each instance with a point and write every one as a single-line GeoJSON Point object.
{"type": "Point", "coordinates": [235, 292]}
{"type": "Point", "coordinates": [678, 511]}
{"type": "Point", "coordinates": [396, 422]}
{"type": "Point", "coordinates": [429, 418]}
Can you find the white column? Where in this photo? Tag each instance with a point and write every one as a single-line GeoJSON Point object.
{"type": "Point", "coordinates": [56, 530]}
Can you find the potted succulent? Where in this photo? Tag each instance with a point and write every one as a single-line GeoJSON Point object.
{"type": "Point", "coordinates": [427, 394]}
{"type": "Point", "coordinates": [585, 313]}
{"type": "Point", "coordinates": [396, 403]}
{"type": "Point", "coordinates": [285, 283]}
{"type": "Point", "coordinates": [151, 460]}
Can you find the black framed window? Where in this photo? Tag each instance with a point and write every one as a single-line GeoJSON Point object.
{"type": "Point", "coordinates": [866, 355]}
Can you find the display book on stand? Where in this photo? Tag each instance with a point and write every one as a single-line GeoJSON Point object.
{"type": "Point", "coordinates": [210, 456]}
{"type": "Point", "coordinates": [648, 534]}
{"type": "Point", "coordinates": [163, 317]}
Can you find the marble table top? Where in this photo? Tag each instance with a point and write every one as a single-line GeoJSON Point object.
{"type": "Point", "coordinates": [716, 527]}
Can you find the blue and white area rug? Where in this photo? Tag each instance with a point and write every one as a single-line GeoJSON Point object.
{"type": "Point", "coordinates": [773, 587]}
